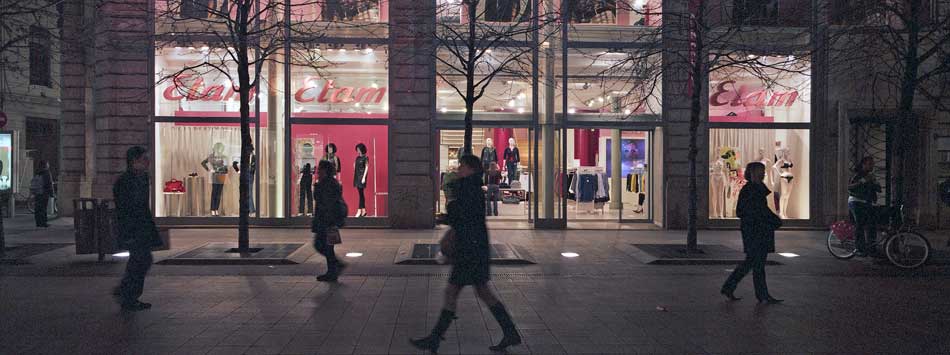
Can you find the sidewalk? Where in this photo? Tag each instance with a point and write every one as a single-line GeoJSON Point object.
{"type": "Point", "coordinates": [602, 302]}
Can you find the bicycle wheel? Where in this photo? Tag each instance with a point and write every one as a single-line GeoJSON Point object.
{"type": "Point", "coordinates": [31, 204]}
{"type": "Point", "coordinates": [841, 248]}
{"type": "Point", "coordinates": [907, 250]}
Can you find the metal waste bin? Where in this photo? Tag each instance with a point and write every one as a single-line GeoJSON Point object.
{"type": "Point", "coordinates": [107, 232]}
{"type": "Point", "coordinates": [84, 223]}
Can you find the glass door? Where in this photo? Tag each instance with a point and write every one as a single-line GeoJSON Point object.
{"type": "Point", "coordinates": [636, 178]}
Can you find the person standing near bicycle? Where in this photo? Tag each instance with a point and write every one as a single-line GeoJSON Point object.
{"type": "Point", "coordinates": [862, 195]}
{"type": "Point", "coordinates": [41, 186]}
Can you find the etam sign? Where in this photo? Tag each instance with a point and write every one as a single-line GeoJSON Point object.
{"type": "Point", "coordinates": [726, 93]}
{"type": "Point", "coordinates": [329, 92]}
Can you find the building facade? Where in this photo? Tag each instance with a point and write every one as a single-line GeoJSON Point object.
{"type": "Point", "coordinates": [582, 135]}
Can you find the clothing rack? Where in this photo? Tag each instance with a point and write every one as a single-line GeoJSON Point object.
{"type": "Point", "coordinates": [589, 206]}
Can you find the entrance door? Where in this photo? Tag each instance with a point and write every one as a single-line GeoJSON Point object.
{"type": "Point", "coordinates": [636, 178]}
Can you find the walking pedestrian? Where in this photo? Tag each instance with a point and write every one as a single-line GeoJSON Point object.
{"type": "Point", "coordinates": [137, 231]}
{"type": "Point", "coordinates": [492, 186]}
{"type": "Point", "coordinates": [41, 186]}
{"type": "Point", "coordinates": [862, 195]}
{"type": "Point", "coordinates": [758, 224]}
{"type": "Point", "coordinates": [306, 191]}
{"type": "Point", "coordinates": [328, 195]}
{"type": "Point", "coordinates": [470, 258]}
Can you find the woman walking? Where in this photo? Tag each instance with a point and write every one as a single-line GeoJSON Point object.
{"type": "Point", "coordinates": [758, 224]}
{"type": "Point", "coordinates": [470, 257]}
{"type": "Point", "coordinates": [327, 194]}
{"type": "Point", "coordinates": [862, 194]}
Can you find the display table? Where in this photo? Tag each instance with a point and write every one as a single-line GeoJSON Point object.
{"type": "Point", "coordinates": [173, 203]}
{"type": "Point", "coordinates": [194, 199]}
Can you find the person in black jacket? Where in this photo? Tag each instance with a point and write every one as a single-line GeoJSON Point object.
{"type": "Point", "coordinates": [306, 190]}
{"type": "Point", "coordinates": [42, 199]}
{"type": "Point", "coordinates": [326, 194]}
{"type": "Point", "coordinates": [137, 231]}
{"type": "Point", "coordinates": [862, 195]}
{"type": "Point", "coordinates": [758, 224]}
{"type": "Point", "coordinates": [471, 257]}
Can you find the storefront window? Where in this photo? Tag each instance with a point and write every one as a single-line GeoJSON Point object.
{"type": "Point", "coordinates": [184, 90]}
{"type": "Point", "coordinates": [363, 155]}
{"type": "Point", "coordinates": [591, 159]}
{"type": "Point", "coordinates": [505, 94]}
{"type": "Point", "coordinates": [785, 154]}
{"type": "Point", "coordinates": [197, 167]}
{"type": "Point", "coordinates": [304, 11]}
{"type": "Point", "coordinates": [612, 12]}
{"type": "Point", "coordinates": [777, 91]}
{"type": "Point", "coordinates": [341, 81]}
{"type": "Point", "coordinates": [611, 84]}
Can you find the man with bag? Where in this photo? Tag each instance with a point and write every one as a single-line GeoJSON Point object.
{"type": "Point", "coordinates": [137, 231]}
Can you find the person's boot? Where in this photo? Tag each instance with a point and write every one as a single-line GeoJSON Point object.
{"type": "Point", "coordinates": [511, 336]}
{"type": "Point", "coordinates": [432, 341]}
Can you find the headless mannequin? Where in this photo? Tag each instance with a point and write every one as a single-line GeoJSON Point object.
{"type": "Point", "coordinates": [219, 175]}
{"type": "Point", "coordinates": [786, 179]}
{"type": "Point", "coordinates": [306, 192]}
{"type": "Point", "coordinates": [717, 188]}
{"type": "Point", "coordinates": [512, 158]}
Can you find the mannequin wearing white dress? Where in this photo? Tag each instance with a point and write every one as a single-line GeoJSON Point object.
{"type": "Point", "coordinates": [717, 189]}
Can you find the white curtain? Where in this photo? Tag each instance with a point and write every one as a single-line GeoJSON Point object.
{"type": "Point", "coordinates": [746, 142]}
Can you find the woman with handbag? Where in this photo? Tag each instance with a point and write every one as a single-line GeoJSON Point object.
{"type": "Point", "coordinates": [470, 256]}
{"type": "Point", "coordinates": [758, 224]}
{"type": "Point", "coordinates": [327, 193]}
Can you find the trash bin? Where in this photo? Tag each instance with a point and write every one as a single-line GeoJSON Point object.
{"type": "Point", "coordinates": [107, 233]}
{"type": "Point", "coordinates": [84, 223]}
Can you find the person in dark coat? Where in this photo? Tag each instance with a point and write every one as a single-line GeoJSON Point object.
{"type": "Point", "coordinates": [42, 199]}
{"type": "Point", "coordinates": [137, 231]}
{"type": "Point", "coordinates": [470, 259]}
{"type": "Point", "coordinates": [326, 193]}
{"type": "Point", "coordinates": [862, 195]}
{"type": "Point", "coordinates": [758, 224]}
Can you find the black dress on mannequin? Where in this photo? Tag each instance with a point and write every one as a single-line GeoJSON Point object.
{"type": "Point", "coordinates": [358, 182]}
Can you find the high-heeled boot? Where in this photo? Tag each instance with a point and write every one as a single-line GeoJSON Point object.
{"type": "Point", "coordinates": [511, 336]}
{"type": "Point", "coordinates": [432, 341]}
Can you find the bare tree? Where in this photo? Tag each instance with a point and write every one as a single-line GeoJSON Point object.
{"type": "Point", "coordinates": [900, 50]}
{"type": "Point", "coordinates": [237, 38]}
{"type": "Point", "coordinates": [699, 38]}
{"type": "Point", "coordinates": [479, 41]}
{"type": "Point", "coordinates": [28, 31]}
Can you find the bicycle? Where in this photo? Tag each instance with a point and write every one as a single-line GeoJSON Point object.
{"type": "Point", "coordinates": [903, 246]}
{"type": "Point", "coordinates": [26, 199]}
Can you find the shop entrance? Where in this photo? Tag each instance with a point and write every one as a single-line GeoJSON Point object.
{"type": "Point", "coordinates": [608, 176]}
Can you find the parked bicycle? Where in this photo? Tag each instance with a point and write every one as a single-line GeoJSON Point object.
{"type": "Point", "coordinates": [902, 245]}
{"type": "Point", "coordinates": [26, 199]}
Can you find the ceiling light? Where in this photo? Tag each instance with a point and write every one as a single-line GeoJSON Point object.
{"type": "Point", "coordinates": [123, 254]}
{"type": "Point", "coordinates": [368, 50]}
{"type": "Point", "coordinates": [521, 110]}
{"type": "Point", "coordinates": [789, 255]}
{"type": "Point", "coordinates": [571, 110]}
{"type": "Point", "coordinates": [511, 103]}
{"type": "Point", "coordinates": [488, 51]}
{"type": "Point", "coordinates": [374, 85]}
{"type": "Point", "coordinates": [444, 110]}
{"type": "Point", "coordinates": [627, 112]}
{"type": "Point", "coordinates": [354, 255]}
{"type": "Point", "coordinates": [570, 254]}
{"type": "Point", "coordinates": [204, 48]}
{"type": "Point", "coordinates": [342, 50]}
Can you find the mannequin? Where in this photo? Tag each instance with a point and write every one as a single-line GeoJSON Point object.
{"type": "Point", "coordinates": [785, 178]}
{"type": "Point", "coordinates": [489, 154]}
{"type": "Point", "coordinates": [219, 175]}
{"type": "Point", "coordinates": [305, 164]}
{"type": "Point", "coordinates": [330, 156]}
{"type": "Point", "coordinates": [512, 157]}
{"type": "Point", "coordinates": [717, 188]}
{"type": "Point", "coordinates": [360, 168]}
{"type": "Point", "coordinates": [769, 176]}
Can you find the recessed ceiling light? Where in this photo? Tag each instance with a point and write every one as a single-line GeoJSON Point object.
{"type": "Point", "coordinates": [789, 255]}
{"type": "Point", "coordinates": [570, 254]}
{"type": "Point", "coordinates": [123, 254]}
{"type": "Point", "coordinates": [354, 255]}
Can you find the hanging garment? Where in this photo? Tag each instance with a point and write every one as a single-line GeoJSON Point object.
{"type": "Point", "coordinates": [629, 182]}
{"type": "Point", "coordinates": [603, 188]}
{"type": "Point", "coordinates": [586, 188]}
{"type": "Point", "coordinates": [572, 186]}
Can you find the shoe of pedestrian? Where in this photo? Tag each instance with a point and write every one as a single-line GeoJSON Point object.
{"type": "Point", "coordinates": [729, 295]}
{"type": "Point", "coordinates": [327, 278]}
{"type": "Point", "coordinates": [430, 343]}
{"type": "Point", "coordinates": [136, 306]}
{"type": "Point", "coordinates": [771, 300]}
{"type": "Point", "coordinates": [506, 341]}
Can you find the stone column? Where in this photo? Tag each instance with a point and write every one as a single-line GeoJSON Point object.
{"type": "Point", "coordinates": [412, 164]}
{"type": "Point", "coordinates": [76, 97]}
{"type": "Point", "coordinates": [616, 170]}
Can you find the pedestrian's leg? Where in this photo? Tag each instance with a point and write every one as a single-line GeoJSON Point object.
{"type": "Point", "coordinates": [133, 283]}
{"type": "Point", "coordinates": [511, 336]}
{"type": "Point", "coordinates": [310, 199]}
{"type": "Point", "coordinates": [332, 262]}
{"type": "Point", "coordinates": [303, 199]}
{"type": "Point", "coordinates": [432, 341]}
{"type": "Point", "coordinates": [39, 211]}
{"type": "Point", "coordinates": [758, 277]}
{"type": "Point", "coordinates": [737, 274]}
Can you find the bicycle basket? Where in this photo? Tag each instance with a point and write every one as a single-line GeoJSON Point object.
{"type": "Point", "coordinates": [843, 230]}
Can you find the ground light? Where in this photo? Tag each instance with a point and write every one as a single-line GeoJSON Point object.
{"type": "Point", "coordinates": [789, 255]}
{"type": "Point", "coordinates": [570, 255]}
{"type": "Point", "coordinates": [354, 255]}
{"type": "Point", "coordinates": [123, 254]}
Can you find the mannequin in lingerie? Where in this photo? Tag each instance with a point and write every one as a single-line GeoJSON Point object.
{"type": "Point", "coordinates": [717, 188]}
{"type": "Point", "coordinates": [784, 177]}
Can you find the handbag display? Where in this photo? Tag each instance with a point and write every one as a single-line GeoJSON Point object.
{"type": "Point", "coordinates": [174, 186]}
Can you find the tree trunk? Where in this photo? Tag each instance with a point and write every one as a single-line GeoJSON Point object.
{"type": "Point", "coordinates": [467, 145]}
{"type": "Point", "coordinates": [697, 68]}
{"type": "Point", "coordinates": [244, 80]}
{"type": "Point", "coordinates": [908, 165]}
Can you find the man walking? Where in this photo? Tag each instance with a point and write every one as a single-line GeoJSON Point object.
{"type": "Point", "coordinates": [137, 231]}
{"type": "Point", "coordinates": [41, 186]}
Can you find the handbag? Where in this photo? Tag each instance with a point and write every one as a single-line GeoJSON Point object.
{"type": "Point", "coordinates": [333, 236]}
{"type": "Point", "coordinates": [447, 244]}
{"type": "Point", "coordinates": [174, 186]}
